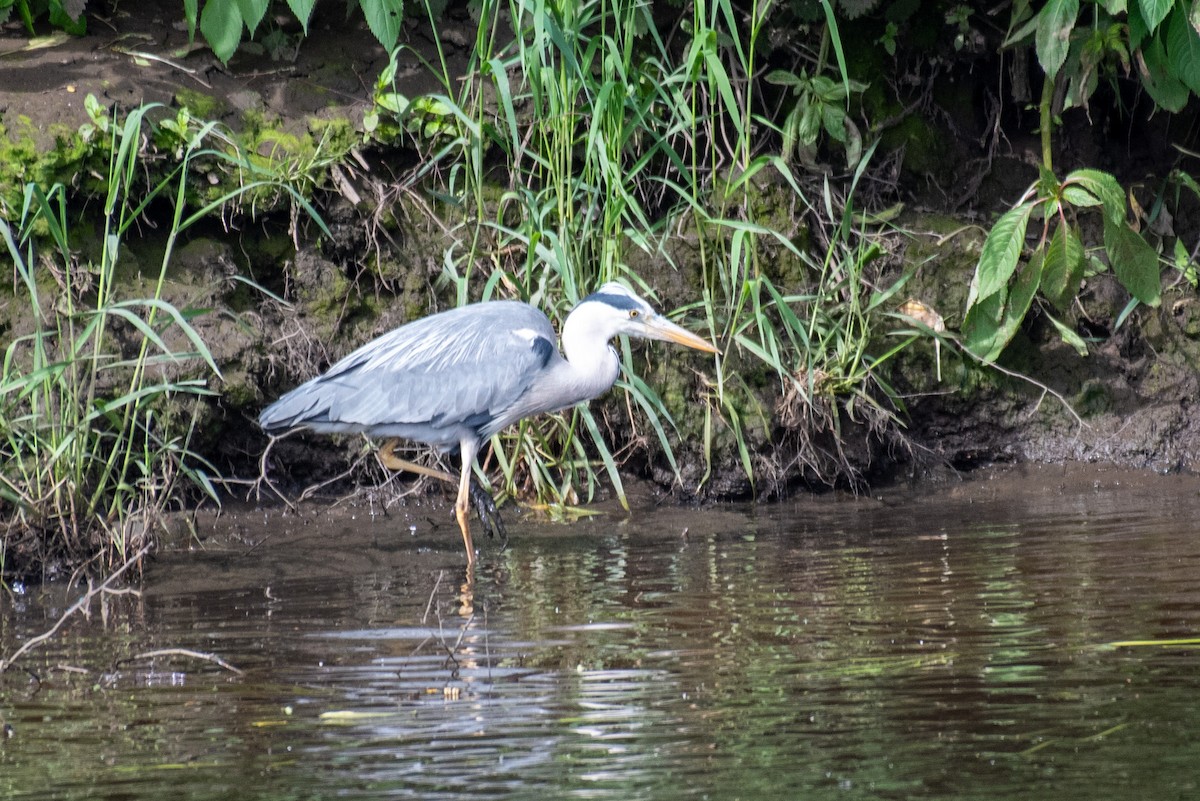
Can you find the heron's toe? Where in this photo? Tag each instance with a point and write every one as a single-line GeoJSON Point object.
{"type": "Point", "coordinates": [489, 514]}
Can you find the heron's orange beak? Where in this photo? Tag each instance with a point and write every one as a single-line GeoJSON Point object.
{"type": "Point", "coordinates": [659, 327]}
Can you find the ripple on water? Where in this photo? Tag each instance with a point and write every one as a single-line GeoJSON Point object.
{"type": "Point", "coordinates": [953, 645]}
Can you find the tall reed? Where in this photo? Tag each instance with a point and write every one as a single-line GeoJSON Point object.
{"type": "Point", "coordinates": [95, 412]}
{"type": "Point", "coordinates": [581, 135]}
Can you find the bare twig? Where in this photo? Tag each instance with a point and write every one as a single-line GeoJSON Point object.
{"type": "Point", "coordinates": [1022, 377]}
{"type": "Point", "coordinates": [79, 606]}
{"type": "Point", "coordinates": [432, 595]}
{"type": "Point", "coordinates": [181, 652]}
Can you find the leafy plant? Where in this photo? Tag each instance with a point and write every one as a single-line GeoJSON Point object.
{"type": "Point", "coordinates": [611, 141]}
{"type": "Point", "coordinates": [1078, 40]}
{"type": "Point", "coordinates": [94, 427]}
{"type": "Point", "coordinates": [1006, 284]}
{"type": "Point", "coordinates": [64, 14]}
{"type": "Point", "coordinates": [225, 22]}
{"type": "Point", "coordinates": [820, 106]}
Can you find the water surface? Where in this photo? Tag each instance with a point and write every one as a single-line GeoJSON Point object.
{"type": "Point", "coordinates": [955, 642]}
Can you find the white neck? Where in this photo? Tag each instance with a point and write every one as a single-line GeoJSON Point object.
{"type": "Point", "coordinates": [592, 364]}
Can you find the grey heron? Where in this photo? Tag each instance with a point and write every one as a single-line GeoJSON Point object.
{"type": "Point", "coordinates": [455, 378]}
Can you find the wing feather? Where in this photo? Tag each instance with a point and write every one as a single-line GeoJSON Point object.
{"type": "Point", "coordinates": [427, 380]}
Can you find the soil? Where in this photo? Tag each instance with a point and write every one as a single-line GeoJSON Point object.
{"type": "Point", "coordinates": [1131, 402]}
{"type": "Point", "coordinates": [140, 53]}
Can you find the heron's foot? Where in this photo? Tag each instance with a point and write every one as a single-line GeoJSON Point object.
{"type": "Point", "coordinates": [489, 514]}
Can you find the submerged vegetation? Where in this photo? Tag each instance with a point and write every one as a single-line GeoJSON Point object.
{"type": "Point", "coordinates": [736, 162]}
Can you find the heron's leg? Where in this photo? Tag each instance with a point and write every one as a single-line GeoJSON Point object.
{"type": "Point", "coordinates": [389, 459]}
{"type": "Point", "coordinates": [462, 505]}
{"type": "Point", "coordinates": [485, 504]}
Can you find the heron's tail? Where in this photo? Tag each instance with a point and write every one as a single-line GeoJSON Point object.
{"type": "Point", "coordinates": [303, 406]}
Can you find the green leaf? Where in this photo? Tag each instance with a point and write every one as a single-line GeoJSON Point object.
{"type": "Point", "coordinates": [1134, 262]}
{"type": "Point", "coordinates": [1161, 83]}
{"type": "Point", "coordinates": [252, 12]}
{"type": "Point", "coordinates": [987, 338]}
{"type": "Point", "coordinates": [981, 324]}
{"type": "Point", "coordinates": [1183, 51]}
{"type": "Point", "coordinates": [1063, 267]}
{"type": "Point", "coordinates": [1069, 336]}
{"type": "Point", "coordinates": [1137, 27]}
{"type": "Point", "coordinates": [1001, 251]}
{"type": "Point", "coordinates": [784, 78]}
{"type": "Point", "coordinates": [1078, 196]}
{"type": "Point", "coordinates": [303, 10]}
{"type": "Point", "coordinates": [833, 119]}
{"type": "Point", "coordinates": [610, 464]}
{"type": "Point", "coordinates": [1053, 38]}
{"type": "Point", "coordinates": [190, 11]}
{"type": "Point", "coordinates": [810, 124]}
{"type": "Point", "coordinates": [61, 17]}
{"type": "Point", "coordinates": [384, 18]}
{"type": "Point", "coordinates": [1102, 186]}
{"type": "Point", "coordinates": [221, 24]}
{"type": "Point", "coordinates": [1154, 12]}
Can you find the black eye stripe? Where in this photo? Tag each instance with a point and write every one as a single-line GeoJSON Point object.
{"type": "Point", "coordinates": [614, 300]}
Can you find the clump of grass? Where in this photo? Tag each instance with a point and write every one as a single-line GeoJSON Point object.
{"type": "Point", "coordinates": [612, 136]}
{"type": "Point", "coordinates": [95, 424]}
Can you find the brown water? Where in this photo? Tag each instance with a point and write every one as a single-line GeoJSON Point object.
{"type": "Point", "coordinates": [953, 644]}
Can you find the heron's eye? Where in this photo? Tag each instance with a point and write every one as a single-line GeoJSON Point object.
{"type": "Point", "coordinates": [634, 314]}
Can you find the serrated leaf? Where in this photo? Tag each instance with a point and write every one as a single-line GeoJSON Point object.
{"type": "Point", "coordinates": [1134, 262]}
{"type": "Point", "coordinates": [1154, 12]}
{"type": "Point", "coordinates": [1078, 196]}
{"type": "Point", "coordinates": [988, 342]}
{"type": "Point", "coordinates": [221, 24]}
{"type": "Point", "coordinates": [303, 10]}
{"type": "Point", "coordinates": [190, 12]}
{"type": "Point", "coordinates": [60, 17]}
{"type": "Point", "coordinates": [1137, 26]}
{"type": "Point", "coordinates": [1001, 251]}
{"type": "Point", "coordinates": [252, 12]}
{"type": "Point", "coordinates": [833, 119]}
{"type": "Point", "coordinates": [1029, 27]}
{"type": "Point", "coordinates": [982, 322]}
{"type": "Point", "coordinates": [384, 18]}
{"type": "Point", "coordinates": [1053, 38]}
{"type": "Point", "coordinates": [1063, 267]}
{"type": "Point", "coordinates": [1167, 91]}
{"type": "Point", "coordinates": [810, 124]}
{"type": "Point", "coordinates": [1102, 186]}
{"type": "Point", "coordinates": [784, 78]}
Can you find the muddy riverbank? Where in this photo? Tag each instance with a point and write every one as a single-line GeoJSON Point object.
{"type": "Point", "coordinates": [1130, 402]}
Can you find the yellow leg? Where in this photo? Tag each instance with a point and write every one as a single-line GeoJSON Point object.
{"type": "Point", "coordinates": [462, 504]}
{"type": "Point", "coordinates": [389, 459]}
{"type": "Point", "coordinates": [462, 510]}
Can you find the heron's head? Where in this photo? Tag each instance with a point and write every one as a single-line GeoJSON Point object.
{"type": "Point", "coordinates": [614, 309]}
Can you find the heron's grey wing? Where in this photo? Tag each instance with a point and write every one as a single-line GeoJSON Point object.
{"type": "Point", "coordinates": [429, 380]}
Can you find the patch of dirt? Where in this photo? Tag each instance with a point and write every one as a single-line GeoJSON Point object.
{"type": "Point", "coordinates": [139, 53]}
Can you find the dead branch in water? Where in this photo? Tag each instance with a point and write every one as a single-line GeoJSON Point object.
{"type": "Point", "coordinates": [81, 605]}
{"type": "Point", "coordinates": [181, 652]}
